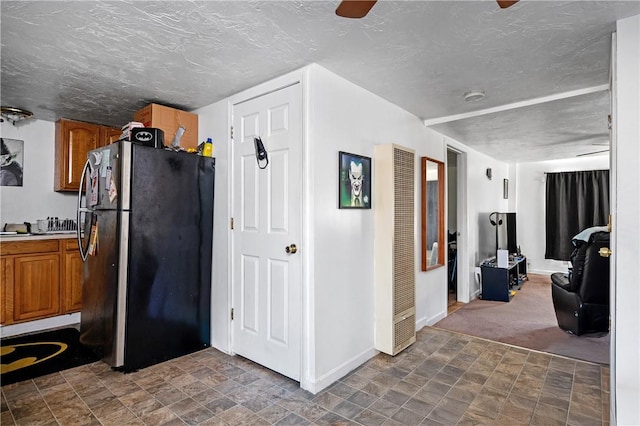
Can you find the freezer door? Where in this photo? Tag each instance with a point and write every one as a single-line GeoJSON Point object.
{"type": "Point", "coordinates": [102, 321]}
{"type": "Point", "coordinates": [108, 172]}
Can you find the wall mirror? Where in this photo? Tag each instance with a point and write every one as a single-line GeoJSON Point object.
{"type": "Point", "coordinates": [433, 241]}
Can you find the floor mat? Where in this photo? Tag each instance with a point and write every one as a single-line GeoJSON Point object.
{"type": "Point", "coordinates": [34, 355]}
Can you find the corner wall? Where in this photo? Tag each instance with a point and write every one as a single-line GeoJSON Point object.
{"type": "Point", "coordinates": [214, 123]}
{"type": "Point", "coordinates": [345, 117]}
{"type": "Point", "coordinates": [625, 369]}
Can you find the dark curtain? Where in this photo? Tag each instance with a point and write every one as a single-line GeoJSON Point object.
{"type": "Point", "coordinates": [575, 201]}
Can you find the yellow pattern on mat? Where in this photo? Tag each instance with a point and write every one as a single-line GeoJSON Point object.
{"type": "Point", "coordinates": [28, 361]}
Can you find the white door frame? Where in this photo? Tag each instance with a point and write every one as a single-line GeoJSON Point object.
{"type": "Point", "coordinates": [462, 239]}
{"type": "Point", "coordinates": [613, 211]}
{"type": "Point", "coordinates": [295, 77]}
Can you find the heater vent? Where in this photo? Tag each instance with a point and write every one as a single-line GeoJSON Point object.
{"type": "Point", "coordinates": [394, 247]}
{"type": "Point", "coordinates": [404, 333]}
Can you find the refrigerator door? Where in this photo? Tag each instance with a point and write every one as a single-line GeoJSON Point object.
{"type": "Point", "coordinates": [170, 252]}
{"type": "Point", "coordinates": [83, 223]}
{"type": "Point", "coordinates": [100, 328]}
{"type": "Point", "coordinates": [108, 171]}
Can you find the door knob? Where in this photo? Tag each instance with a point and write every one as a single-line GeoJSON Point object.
{"type": "Point", "coordinates": [604, 252]}
{"type": "Point", "coordinates": [291, 249]}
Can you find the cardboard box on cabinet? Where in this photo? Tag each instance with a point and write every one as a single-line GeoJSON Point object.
{"type": "Point", "coordinates": [169, 120]}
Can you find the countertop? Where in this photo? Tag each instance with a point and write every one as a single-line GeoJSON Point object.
{"type": "Point", "coordinates": [34, 237]}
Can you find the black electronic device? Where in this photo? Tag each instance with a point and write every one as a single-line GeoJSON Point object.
{"type": "Point", "coordinates": [147, 136]}
{"type": "Point", "coordinates": [261, 153]}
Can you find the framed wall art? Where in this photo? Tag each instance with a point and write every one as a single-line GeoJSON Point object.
{"type": "Point", "coordinates": [354, 181]}
{"type": "Point", "coordinates": [11, 162]}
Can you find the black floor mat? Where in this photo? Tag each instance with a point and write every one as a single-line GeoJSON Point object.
{"type": "Point", "coordinates": [34, 355]}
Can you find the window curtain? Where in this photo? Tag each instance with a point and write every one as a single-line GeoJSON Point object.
{"type": "Point", "coordinates": [574, 201]}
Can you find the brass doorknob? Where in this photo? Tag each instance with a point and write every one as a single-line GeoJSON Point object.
{"type": "Point", "coordinates": [604, 252]}
{"type": "Point", "coordinates": [291, 249]}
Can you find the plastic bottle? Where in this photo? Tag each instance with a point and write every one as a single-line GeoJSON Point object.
{"type": "Point", "coordinates": [207, 149]}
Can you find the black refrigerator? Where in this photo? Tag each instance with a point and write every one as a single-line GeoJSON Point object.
{"type": "Point", "coordinates": [146, 242]}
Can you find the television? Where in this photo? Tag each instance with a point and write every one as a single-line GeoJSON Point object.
{"type": "Point", "coordinates": [505, 231]}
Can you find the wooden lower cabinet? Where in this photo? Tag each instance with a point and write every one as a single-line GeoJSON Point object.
{"type": "Point", "coordinates": [6, 283]}
{"type": "Point", "coordinates": [36, 286]}
{"type": "Point", "coordinates": [72, 283]}
{"type": "Point", "coordinates": [40, 279]}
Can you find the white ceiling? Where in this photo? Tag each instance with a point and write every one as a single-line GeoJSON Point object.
{"type": "Point", "coordinates": [101, 61]}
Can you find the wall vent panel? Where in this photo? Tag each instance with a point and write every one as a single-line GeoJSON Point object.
{"type": "Point", "coordinates": [394, 248]}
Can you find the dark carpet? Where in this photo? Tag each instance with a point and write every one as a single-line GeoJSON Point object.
{"type": "Point", "coordinates": [528, 321]}
{"type": "Point", "coordinates": [34, 355]}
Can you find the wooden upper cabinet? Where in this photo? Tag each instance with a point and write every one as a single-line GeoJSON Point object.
{"type": "Point", "coordinates": [74, 139]}
{"type": "Point", "coordinates": [109, 135]}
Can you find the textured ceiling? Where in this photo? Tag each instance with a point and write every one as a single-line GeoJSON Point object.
{"type": "Point", "coordinates": [101, 61]}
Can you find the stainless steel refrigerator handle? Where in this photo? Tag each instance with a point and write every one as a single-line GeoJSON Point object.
{"type": "Point", "coordinates": [83, 255]}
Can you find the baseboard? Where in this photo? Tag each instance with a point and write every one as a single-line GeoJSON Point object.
{"type": "Point", "coordinates": [337, 373]}
{"type": "Point", "coordinates": [39, 325]}
{"type": "Point", "coordinates": [421, 323]}
{"type": "Point", "coordinates": [430, 321]}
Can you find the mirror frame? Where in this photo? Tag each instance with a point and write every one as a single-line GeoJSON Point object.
{"type": "Point", "coordinates": [441, 237]}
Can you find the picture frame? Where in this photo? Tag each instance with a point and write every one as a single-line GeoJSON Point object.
{"type": "Point", "coordinates": [354, 181]}
{"type": "Point", "coordinates": [505, 189]}
{"type": "Point", "coordinates": [12, 162]}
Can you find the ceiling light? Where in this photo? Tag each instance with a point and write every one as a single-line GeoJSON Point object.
{"type": "Point", "coordinates": [13, 114]}
{"type": "Point", "coordinates": [474, 95]}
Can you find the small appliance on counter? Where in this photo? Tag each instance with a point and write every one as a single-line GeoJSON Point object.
{"type": "Point", "coordinates": [16, 228]}
{"type": "Point", "coordinates": [54, 225]}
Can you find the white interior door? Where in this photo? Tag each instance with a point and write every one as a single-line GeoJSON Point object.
{"type": "Point", "coordinates": [267, 275]}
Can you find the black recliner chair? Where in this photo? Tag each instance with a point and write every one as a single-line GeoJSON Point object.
{"type": "Point", "coordinates": [581, 298]}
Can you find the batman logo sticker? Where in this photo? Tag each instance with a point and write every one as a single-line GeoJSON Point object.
{"type": "Point", "coordinates": [143, 136]}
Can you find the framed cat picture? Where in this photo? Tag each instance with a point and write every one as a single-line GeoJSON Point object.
{"type": "Point", "coordinates": [354, 181]}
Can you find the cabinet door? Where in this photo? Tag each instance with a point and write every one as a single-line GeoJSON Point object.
{"type": "Point", "coordinates": [109, 135]}
{"type": "Point", "coordinates": [74, 140]}
{"type": "Point", "coordinates": [6, 290]}
{"type": "Point", "coordinates": [36, 286]}
{"type": "Point", "coordinates": [72, 282]}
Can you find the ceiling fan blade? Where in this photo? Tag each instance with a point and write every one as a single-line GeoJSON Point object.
{"type": "Point", "coordinates": [592, 153]}
{"type": "Point", "coordinates": [506, 4]}
{"type": "Point", "coordinates": [354, 8]}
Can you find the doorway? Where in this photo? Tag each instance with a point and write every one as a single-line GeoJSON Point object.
{"type": "Point", "coordinates": [452, 230]}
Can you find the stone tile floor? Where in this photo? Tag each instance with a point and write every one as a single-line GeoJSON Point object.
{"type": "Point", "coordinates": [444, 378]}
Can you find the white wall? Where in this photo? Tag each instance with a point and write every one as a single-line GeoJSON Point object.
{"type": "Point", "coordinates": [483, 197]}
{"type": "Point", "coordinates": [531, 184]}
{"type": "Point", "coordinates": [338, 279]}
{"type": "Point", "coordinates": [213, 123]}
{"type": "Point", "coordinates": [345, 117]}
{"type": "Point", "coordinates": [626, 226]}
{"type": "Point", "coordinates": [36, 198]}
